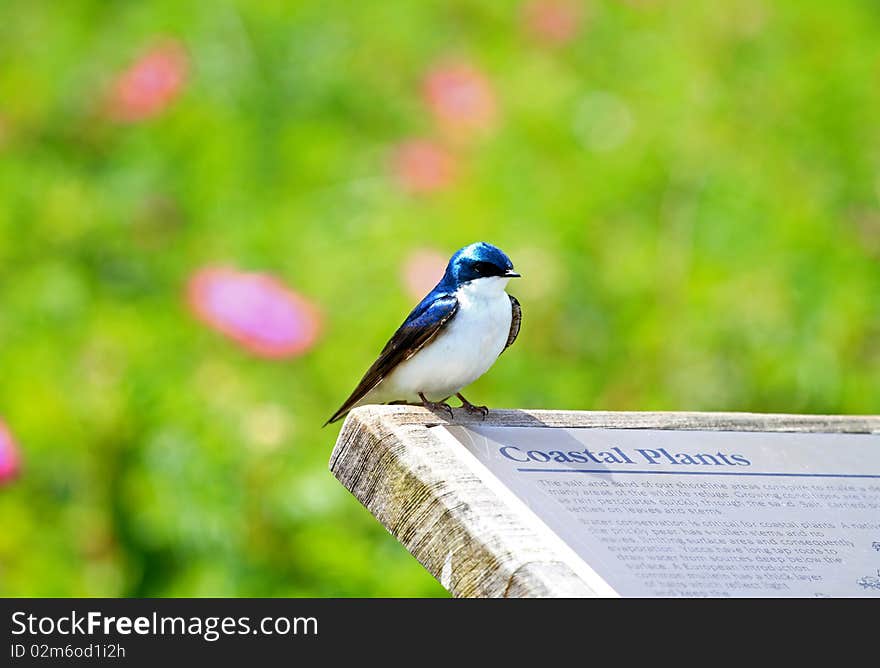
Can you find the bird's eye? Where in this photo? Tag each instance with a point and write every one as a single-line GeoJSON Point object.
{"type": "Point", "coordinates": [484, 268]}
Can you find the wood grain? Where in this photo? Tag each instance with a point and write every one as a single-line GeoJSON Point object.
{"type": "Point", "coordinates": [421, 490]}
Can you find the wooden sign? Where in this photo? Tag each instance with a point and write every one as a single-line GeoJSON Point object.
{"type": "Point", "coordinates": [557, 503]}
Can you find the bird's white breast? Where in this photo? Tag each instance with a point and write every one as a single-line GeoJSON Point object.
{"type": "Point", "coordinates": [463, 350]}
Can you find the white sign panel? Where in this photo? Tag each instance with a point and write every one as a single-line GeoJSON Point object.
{"type": "Point", "coordinates": [697, 513]}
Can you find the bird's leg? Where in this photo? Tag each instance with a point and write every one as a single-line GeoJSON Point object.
{"type": "Point", "coordinates": [470, 408]}
{"type": "Point", "coordinates": [436, 405]}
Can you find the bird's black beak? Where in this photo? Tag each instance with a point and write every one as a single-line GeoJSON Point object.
{"type": "Point", "coordinates": [510, 273]}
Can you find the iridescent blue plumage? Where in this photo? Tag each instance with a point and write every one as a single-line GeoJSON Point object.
{"type": "Point", "coordinates": [478, 260]}
{"type": "Point", "coordinates": [432, 316]}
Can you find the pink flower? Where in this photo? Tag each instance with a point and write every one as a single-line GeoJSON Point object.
{"type": "Point", "coordinates": [552, 21]}
{"type": "Point", "coordinates": [150, 84]}
{"type": "Point", "coordinates": [422, 166]}
{"type": "Point", "coordinates": [460, 97]}
{"type": "Point", "coordinates": [10, 460]}
{"type": "Point", "coordinates": [422, 270]}
{"type": "Point", "coordinates": [255, 310]}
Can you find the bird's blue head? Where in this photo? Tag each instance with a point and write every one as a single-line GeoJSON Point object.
{"type": "Point", "coordinates": [479, 260]}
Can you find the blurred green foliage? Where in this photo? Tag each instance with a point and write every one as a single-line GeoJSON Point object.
{"type": "Point", "coordinates": [690, 190]}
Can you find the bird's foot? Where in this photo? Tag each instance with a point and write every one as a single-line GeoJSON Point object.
{"type": "Point", "coordinates": [471, 408]}
{"type": "Point", "coordinates": [436, 405]}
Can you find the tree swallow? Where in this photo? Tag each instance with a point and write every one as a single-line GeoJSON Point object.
{"type": "Point", "coordinates": [449, 340]}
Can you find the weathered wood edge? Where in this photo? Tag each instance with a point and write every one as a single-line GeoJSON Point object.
{"type": "Point", "coordinates": [419, 488]}
{"type": "Point", "coordinates": [852, 424]}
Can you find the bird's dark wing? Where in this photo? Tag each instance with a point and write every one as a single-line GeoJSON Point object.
{"type": "Point", "coordinates": [422, 325]}
{"type": "Point", "coordinates": [515, 322]}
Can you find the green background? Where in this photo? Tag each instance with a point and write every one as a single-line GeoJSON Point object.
{"type": "Point", "coordinates": [691, 191]}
